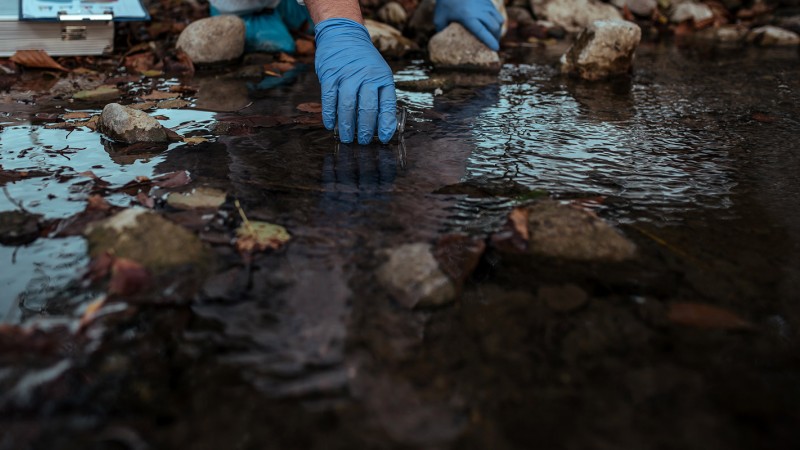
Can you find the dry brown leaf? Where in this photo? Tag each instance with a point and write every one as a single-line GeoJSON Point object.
{"type": "Point", "coordinates": [700, 315]}
{"type": "Point", "coordinates": [286, 58]}
{"type": "Point", "coordinates": [160, 95]}
{"type": "Point", "coordinates": [142, 106]}
{"type": "Point", "coordinates": [304, 47]}
{"type": "Point", "coordinates": [76, 115]}
{"type": "Point", "coordinates": [37, 59]}
{"type": "Point", "coordinates": [128, 277]}
{"type": "Point", "coordinates": [310, 107]}
{"type": "Point", "coordinates": [518, 218]}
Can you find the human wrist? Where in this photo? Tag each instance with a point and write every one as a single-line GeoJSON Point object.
{"type": "Point", "coordinates": [341, 27]}
{"type": "Point", "coordinates": [322, 10]}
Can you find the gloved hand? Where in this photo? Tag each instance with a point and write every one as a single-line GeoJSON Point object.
{"type": "Point", "coordinates": [480, 17]}
{"type": "Point", "coordinates": [353, 74]}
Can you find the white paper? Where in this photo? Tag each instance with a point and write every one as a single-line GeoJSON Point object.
{"type": "Point", "coordinates": [51, 9]}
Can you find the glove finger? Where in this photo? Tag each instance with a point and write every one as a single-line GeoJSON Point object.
{"type": "Point", "coordinates": [367, 112]}
{"type": "Point", "coordinates": [387, 118]}
{"type": "Point", "coordinates": [495, 14]}
{"type": "Point", "coordinates": [479, 30]}
{"type": "Point", "coordinates": [346, 113]}
{"type": "Point", "coordinates": [494, 26]}
{"type": "Point", "coordinates": [329, 100]}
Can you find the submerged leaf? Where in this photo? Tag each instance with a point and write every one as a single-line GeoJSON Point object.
{"type": "Point", "coordinates": [700, 315]}
{"type": "Point", "coordinates": [254, 236]}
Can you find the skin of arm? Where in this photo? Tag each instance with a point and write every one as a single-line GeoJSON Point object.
{"type": "Point", "coordinates": [329, 9]}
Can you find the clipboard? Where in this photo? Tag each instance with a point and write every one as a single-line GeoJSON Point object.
{"type": "Point", "coordinates": [82, 10]}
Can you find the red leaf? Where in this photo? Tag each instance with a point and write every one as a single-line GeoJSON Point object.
{"type": "Point", "coordinates": [128, 277]}
{"type": "Point", "coordinates": [699, 315]}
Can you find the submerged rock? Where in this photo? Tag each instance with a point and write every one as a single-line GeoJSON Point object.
{"type": "Point", "coordinates": [388, 40]}
{"type": "Point", "coordinates": [574, 15]}
{"type": "Point", "coordinates": [213, 39]}
{"type": "Point", "coordinates": [563, 298]}
{"type": "Point", "coordinates": [128, 125]}
{"type": "Point", "coordinates": [772, 36]}
{"type": "Point", "coordinates": [602, 50]}
{"type": "Point", "coordinates": [563, 231]}
{"type": "Point", "coordinates": [149, 239]}
{"type": "Point", "coordinates": [456, 48]}
{"type": "Point", "coordinates": [394, 14]}
{"type": "Point", "coordinates": [18, 227]}
{"type": "Point", "coordinates": [413, 277]}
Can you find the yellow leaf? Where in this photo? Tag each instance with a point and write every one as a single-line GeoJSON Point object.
{"type": "Point", "coordinates": [254, 236]}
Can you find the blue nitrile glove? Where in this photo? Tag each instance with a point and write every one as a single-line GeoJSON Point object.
{"type": "Point", "coordinates": [354, 75]}
{"type": "Point", "coordinates": [480, 17]}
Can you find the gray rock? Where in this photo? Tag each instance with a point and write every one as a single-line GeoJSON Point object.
{"type": "Point", "coordinates": [393, 14]}
{"type": "Point", "coordinates": [565, 232]}
{"type": "Point", "coordinates": [147, 238]}
{"type": "Point", "coordinates": [602, 50]}
{"type": "Point", "coordinates": [413, 277]}
{"type": "Point", "coordinates": [725, 34]}
{"type": "Point", "coordinates": [772, 36]}
{"type": "Point", "coordinates": [791, 23]}
{"type": "Point", "coordinates": [642, 8]}
{"type": "Point", "coordinates": [388, 40]}
{"type": "Point", "coordinates": [128, 125]}
{"type": "Point", "coordinates": [574, 15]}
{"type": "Point", "coordinates": [213, 39]}
{"type": "Point", "coordinates": [519, 14]}
{"type": "Point", "coordinates": [420, 25]}
{"type": "Point", "coordinates": [696, 12]}
{"type": "Point", "coordinates": [456, 48]}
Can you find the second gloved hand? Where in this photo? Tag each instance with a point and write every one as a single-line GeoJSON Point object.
{"type": "Point", "coordinates": [357, 84]}
{"type": "Point", "coordinates": [480, 17]}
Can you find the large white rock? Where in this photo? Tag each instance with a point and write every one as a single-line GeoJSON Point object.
{"type": "Point", "coordinates": [213, 39]}
{"type": "Point", "coordinates": [574, 15]}
{"type": "Point", "coordinates": [128, 125]}
{"type": "Point", "coordinates": [697, 12]}
{"type": "Point", "coordinates": [602, 50]}
{"type": "Point", "coordinates": [770, 35]}
{"type": "Point", "coordinates": [387, 39]}
{"type": "Point", "coordinates": [456, 48]}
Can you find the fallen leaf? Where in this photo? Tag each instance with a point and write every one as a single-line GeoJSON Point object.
{"type": "Point", "coordinates": [11, 175]}
{"type": "Point", "coordinates": [128, 277]}
{"type": "Point", "coordinates": [100, 93]}
{"type": "Point", "coordinates": [200, 198]}
{"type": "Point", "coordinates": [173, 104]}
{"type": "Point", "coordinates": [518, 219]}
{"type": "Point", "coordinates": [172, 179]}
{"type": "Point", "coordinates": [37, 59]}
{"type": "Point", "coordinates": [160, 95]}
{"type": "Point", "coordinates": [458, 255]}
{"type": "Point", "coordinates": [254, 236]}
{"type": "Point", "coordinates": [700, 315]}
{"type": "Point", "coordinates": [76, 115]}
{"type": "Point", "coordinates": [194, 140]}
{"type": "Point", "coordinates": [279, 67]}
{"type": "Point", "coordinates": [179, 64]}
{"type": "Point", "coordinates": [145, 200]}
{"type": "Point", "coordinates": [91, 311]}
{"type": "Point", "coordinates": [142, 106]}
{"type": "Point", "coordinates": [310, 107]}
{"type": "Point", "coordinates": [270, 73]}
{"type": "Point", "coordinates": [152, 73]}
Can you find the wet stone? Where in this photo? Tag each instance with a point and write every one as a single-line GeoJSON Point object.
{"type": "Point", "coordinates": [200, 198]}
{"type": "Point", "coordinates": [420, 25]}
{"type": "Point", "coordinates": [393, 14]}
{"type": "Point", "coordinates": [388, 40]}
{"type": "Point", "coordinates": [147, 238]}
{"type": "Point", "coordinates": [426, 84]}
{"type": "Point", "coordinates": [563, 298]}
{"type": "Point", "coordinates": [128, 125]}
{"type": "Point", "coordinates": [696, 12]}
{"type": "Point", "coordinates": [772, 36]}
{"type": "Point", "coordinates": [413, 277]}
{"type": "Point", "coordinates": [213, 39]}
{"type": "Point", "coordinates": [604, 49]}
{"type": "Point", "coordinates": [574, 15]}
{"type": "Point", "coordinates": [456, 48]}
{"type": "Point", "coordinates": [18, 227]}
{"type": "Point", "coordinates": [562, 231]}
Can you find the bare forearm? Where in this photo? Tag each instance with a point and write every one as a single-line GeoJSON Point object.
{"type": "Point", "coordinates": [328, 9]}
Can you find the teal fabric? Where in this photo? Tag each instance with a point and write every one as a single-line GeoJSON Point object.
{"type": "Point", "coordinates": [268, 31]}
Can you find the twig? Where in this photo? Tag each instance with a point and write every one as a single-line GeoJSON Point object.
{"type": "Point", "coordinates": [244, 217]}
{"type": "Point", "coordinates": [14, 202]}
